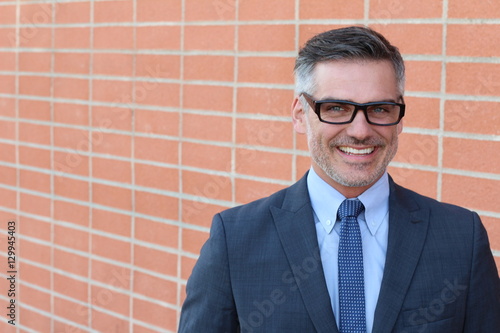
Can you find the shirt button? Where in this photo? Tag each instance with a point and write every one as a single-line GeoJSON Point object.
{"type": "Point", "coordinates": [328, 222]}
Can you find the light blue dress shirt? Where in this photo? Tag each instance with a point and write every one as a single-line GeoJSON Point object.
{"type": "Point", "coordinates": [374, 226]}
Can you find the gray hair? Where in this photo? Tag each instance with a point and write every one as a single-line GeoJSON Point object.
{"type": "Point", "coordinates": [350, 43]}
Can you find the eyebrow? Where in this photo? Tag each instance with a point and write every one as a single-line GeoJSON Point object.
{"type": "Point", "coordinates": [390, 100]}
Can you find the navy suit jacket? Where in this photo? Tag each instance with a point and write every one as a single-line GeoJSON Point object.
{"type": "Point", "coordinates": [260, 270]}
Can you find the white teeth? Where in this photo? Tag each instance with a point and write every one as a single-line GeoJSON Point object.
{"type": "Point", "coordinates": [354, 151]}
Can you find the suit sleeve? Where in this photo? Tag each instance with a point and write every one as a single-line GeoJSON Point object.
{"type": "Point", "coordinates": [483, 298]}
{"type": "Point", "coordinates": [209, 305]}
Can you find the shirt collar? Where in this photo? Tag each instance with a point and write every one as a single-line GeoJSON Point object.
{"type": "Point", "coordinates": [326, 200]}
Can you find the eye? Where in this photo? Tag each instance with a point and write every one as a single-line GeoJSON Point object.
{"type": "Point", "coordinates": [335, 107]}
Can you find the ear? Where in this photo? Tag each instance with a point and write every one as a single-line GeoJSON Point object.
{"type": "Point", "coordinates": [299, 116]}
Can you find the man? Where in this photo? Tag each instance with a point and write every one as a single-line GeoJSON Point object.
{"type": "Point", "coordinates": [345, 249]}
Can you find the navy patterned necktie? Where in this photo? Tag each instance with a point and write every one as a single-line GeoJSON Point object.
{"type": "Point", "coordinates": [351, 277]}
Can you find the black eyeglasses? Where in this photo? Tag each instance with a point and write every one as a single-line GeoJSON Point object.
{"type": "Point", "coordinates": [340, 112]}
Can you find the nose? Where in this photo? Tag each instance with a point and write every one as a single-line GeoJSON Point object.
{"type": "Point", "coordinates": [359, 128]}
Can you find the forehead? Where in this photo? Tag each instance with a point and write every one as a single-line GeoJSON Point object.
{"type": "Point", "coordinates": [361, 80]}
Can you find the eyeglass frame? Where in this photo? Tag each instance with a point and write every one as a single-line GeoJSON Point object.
{"type": "Point", "coordinates": [316, 106]}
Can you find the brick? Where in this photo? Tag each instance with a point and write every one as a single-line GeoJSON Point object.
{"type": "Point", "coordinates": [199, 213]}
{"type": "Point", "coordinates": [310, 9]}
{"type": "Point", "coordinates": [36, 14]}
{"type": "Point", "coordinates": [34, 181]}
{"type": "Point", "coordinates": [208, 67]}
{"type": "Point", "coordinates": [156, 205]}
{"type": "Point", "coordinates": [8, 176]}
{"type": "Point", "coordinates": [34, 85]}
{"type": "Point", "coordinates": [159, 37]}
{"type": "Point", "coordinates": [473, 79]}
{"type": "Point", "coordinates": [193, 240]}
{"type": "Point", "coordinates": [7, 107]}
{"type": "Point", "coordinates": [71, 263]}
{"type": "Point", "coordinates": [36, 252]}
{"type": "Point", "coordinates": [9, 37]}
{"type": "Point", "coordinates": [201, 37]}
{"type": "Point", "coordinates": [405, 9]}
{"type": "Point", "coordinates": [159, 10]}
{"type": "Point", "coordinates": [113, 37]}
{"type": "Point", "coordinates": [303, 165]}
{"type": "Point", "coordinates": [71, 188]}
{"type": "Point", "coordinates": [8, 84]}
{"type": "Point", "coordinates": [71, 287]}
{"type": "Point", "coordinates": [71, 88]}
{"type": "Point", "coordinates": [417, 149]}
{"type": "Point", "coordinates": [307, 31]}
{"type": "Point", "coordinates": [71, 162]}
{"type": "Point", "coordinates": [111, 248]}
{"type": "Point", "coordinates": [112, 64]}
{"type": "Point", "coordinates": [8, 152]}
{"type": "Point", "coordinates": [35, 275]}
{"type": "Point", "coordinates": [207, 127]}
{"type": "Point", "coordinates": [423, 182]}
{"type": "Point", "coordinates": [266, 70]}
{"type": "Point", "coordinates": [481, 40]}
{"type": "Point", "coordinates": [422, 112]}
{"type": "Point", "coordinates": [8, 15]}
{"type": "Point", "coordinates": [155, 288]}
{"type": "Point", "coordinates": [118, 224]}
{"type": "Point", "coordinates": [35, 157]}
{"type": "Point", "coordinates": [72, 114]}
{"type": "Point", "coordinates": [156, 177]}
{"type": "Point", "coordinates": [266, 133]}
{"type": "Point", "coordinates": [34, 61]}
{"type": "Point", "coordinates": [249, 190]}
{"type": "Point", "coordinates": [158, 66]}
{"type": "Point", "coordinates": [112, 196]}
{"type": "Point", "coordinates": [65, 327]}
{"type": "Point", "coordinates": [157, 93]}
{"type": "Point", "coordinates": [72, 12]}
{"type": "Point", "coordinates": [34, 37]}
{"type": "Point", "coordinates": [35, 228]}
{"type": "Point", "coordinates": [9, 199]}
{"type": "Point", "coordinates": [265, 10]}
{"type": "Point", "coordinates": [467, 9]}
{"type": "Point", "coordinates": [34, 133]}
{"type": "Point", "coordinates": [33, 320]}
{"type": "Point", "coordinates": [218, 10]}
{"type": "Point", "coordinates": [71, 63]}
{"type": "Point", "coordinates": [426, 38]}
{"type": "Point", "coordinates": [35, 110]}
{"type": "Point", "coordinates": [263, 164]}
{"type": "Point", "coordinates": [155, 314]}
{"type": "Point", "coordinates": [103, 322]}
{"type": "Point", "coordinates": [8, 60]}
{"type": "Point", "coordinates": [72, 138]}
{"type": "Point", "coordinates": [207, 185]}
{"type": "Point", "coordinates": [471, 117]}
{"type": "Point", "coordinates": [473, 155]}
{"type": "Point", "coordinates": [208, 97]}
{"type": "Point", "coordinates": [268, 101]}
{"type": "Point", "coordinates": [159, 150]}
{"type": "Point", "coordinates": [72, 213]}
{"type": "Point", "coordinates": [156, 232]}
{"type": "Point", "coordinates": [113, 11]}
{"type": "Point", "coordinates": [112, 91]}
{"type": "Point", "coordinates": [112, 117]}
{"type": "Point", "coordinates": [71, 311]}
{"type": "Point", "coordinates": [34, 298]}
{"type": "Point", "coordinates": [112, 144]}
{"type": "Point", "coordinates": [113, 170]}
{"type": "Point", "coordinates": [111, 274]}
{"type": "Point", "coordinates": [72, 38]}
{"type": "Point", "coordinates": [155, 260]}
{"type": "Point", "coordinates": [71, 238]}
{"type": "Point", "coordinates": [453, 192]}
{"type": "Point", "coordinates": [423, 76]}
{"type": "Point", "coordinates": [35, 205]}
{"type": "Point", "coordinates": [206, 156]}
{"type": "Point", "coordinates": [266, 38]}
{"type": "Point", "coordinates": [8, 130]}
{"type": "Point", "coordinates": [157, 122]}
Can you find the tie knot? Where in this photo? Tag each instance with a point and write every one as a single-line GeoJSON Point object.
{"type": "Point", "coordinates": [350, 208]}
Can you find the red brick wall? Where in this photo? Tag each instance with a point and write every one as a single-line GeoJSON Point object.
{"type": "Point", "coordinates": [125, 125]}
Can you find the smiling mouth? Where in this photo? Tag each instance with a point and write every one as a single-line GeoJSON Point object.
{"type": "Point", "coordinates": [356, 152]}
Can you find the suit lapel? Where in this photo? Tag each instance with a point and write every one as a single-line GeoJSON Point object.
{"type": "Point", "coordinates": [407, 232]}
{"type": "Point", "coordinates": [294, 223]}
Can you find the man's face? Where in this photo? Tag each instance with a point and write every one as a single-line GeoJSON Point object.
{"type": "Point", "coordinates": [353, 156]}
